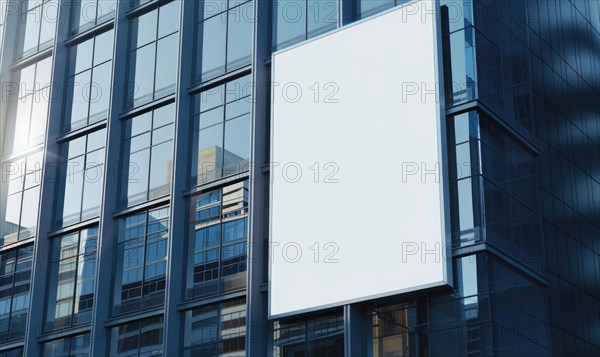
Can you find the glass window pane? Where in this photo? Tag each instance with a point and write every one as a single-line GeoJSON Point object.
{"type": "Point", "coordinates": [71, 199]}
{"type": "Point", "coordinates": [39, 116]}
{"type": "Point", "coordinates": [106, 9]}
{"type": "Point", "coordinates": [48, 24]}
{"type": "Point", "coordinates": [166, 66]}
{"type": "Point", "coordinates": [137, 176]}
{"type": "Point", "coordinates": [84, 15]}
{"type": "Point", "coordinates": [169, 19]}
{"type": "Point", "coordinates": [239, 41]}
{"type": "Point", "coordinates": [142, 75]}
{"type": "Point", "coordinates": [237, 145]}
{"type": "Point", "coordinates": [163, 116]}
{"type": "Point", "coordinates": [103, 46]}
{"type": "Point", "coordinates": [369, 7]}
{"type": "Point", "coordinates": [20, 120]}
{"type": "Point", "coordinates": [100, 92]}
{"type": "Point", "coordinates": [322, 16]}
{"type": "Point", "coordinates": [211, 117]}
{"type": "Point", "coordinates": [79, 87]}
{"type": "Point", "coordinates": [81, 55]}
{"type": "Point", "coordinates": [210, 151]}
{"type": "Point", "coordinates": [10, 224]}
{"type": "Point", "coordinates": [43, 73]}
{"type": "Point", "coordinates": [212, 36]}
{"type": "Point", "coordinates": [145, 30]}
{"type": "Point", "coordinates": [32, 28]}
{"type": "Point", "coordinates": [29, 213]}
{"type": "Point", "coordinates": [289, 22]}
{"type": "Point", "coordinates": [160, 170]}
{"type": "Point", "coordinates": [92, 193]}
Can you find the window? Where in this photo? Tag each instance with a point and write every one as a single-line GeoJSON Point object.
{"type": "Point", "coordinates": [221, 131]}
{"type": "Point", "coordinates": [390, 326]}
{"type": "Point", "coordinates": [153, 58]}
{"type": "Point", "coordinates": [28, 108]}
{"type": "Point", "coordinates": [141, 261]}
{"type": "Point", "coordinates": [322, 336]}
{"type": "Point", "coordinates": [81, 179]}
{"type": "Point", "coordinates": [216, 330]}
{"type": "Point", "coordinates": [15, 278]}
{"type": "Point", "coordinates": [297, 20]}
{"type": "Point", "coordinates": [72, 279]}
{"type": "Point", "coordinates": [89, 82]}
{"type": "Point", "coordinates": [37, 26]}
{"type": "Point", "coordinates": [218, 241]}
{"type": "Point", "coordinates": [148, 155]}
{"type": "Point", "coordinates": [224, 37]}
{"type": "Point", "coordinates": [15, 352]}
{"type": "Point", "coordinates": [20, 198]}
{"type": "Point", "coordinates": [2, 18]}
{"type": "Point", "coordinates": [138, 338]}
{"type": "Point", "coordinates": [88, 13]}
{"type": "Point", "coordinates": [76, 346]}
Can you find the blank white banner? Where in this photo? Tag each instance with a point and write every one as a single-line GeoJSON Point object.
{"type": "Point", "coordinates": [357, 193]}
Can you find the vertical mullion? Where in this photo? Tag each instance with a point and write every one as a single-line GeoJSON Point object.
{"type": "Point", "coordinates": [144, 242]}
{"type": "Point", "coordinates": [97, 10]}
{"type": "Point", "coordinates": [178, 210]}
{"type": "Point", "coordinates": [226, 42]}
{"type": "Point", "coordinates": [74, 297]}
{"type": "Point", "coordinates": [220, 259]}
{"type": "Point", "coordinates": [85, 158]}
{"type": "Point", "coordinates": [41, 7]}
{"type": "Point", "coordinates": [306, 20]}
{"type": "Point", "coordinates": [156, 38]}
{"type": "Point", "coordinates": [257, 332]}
{"type": "Point", "coordinates": [47, 188]}
{"type": "Point", "coordinates": [92, 66]}
{"type": "Point", "coordinates": [107, 240]}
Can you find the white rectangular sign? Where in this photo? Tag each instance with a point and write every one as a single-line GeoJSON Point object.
{"type": "Point", "coordinates": [357, 193]}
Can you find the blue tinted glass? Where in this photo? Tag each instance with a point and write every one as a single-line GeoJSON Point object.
{"type": "Point", "coordinates": [100, 92]}
{"type": "Point", "coordinates": [321, 16]}
{"type": "Point", "coordinates": [166, 66]}
{"type": "Point", "coordinates": [289, 22]}
{"type": "Point", "coordinates": [168, 19]}
{"type": "Point", "coordinates": [145, 30]}
{"type": "Point", "coordinates": [239, 36]}
{"type": "Point", "coordinates": [142, 75]}
{"type": "Point", "coordinates": [212, 33]}
{"type": "Point", "coordinates": [237, 145]}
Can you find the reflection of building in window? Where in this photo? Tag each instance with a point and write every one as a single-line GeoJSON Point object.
{"type": "Point", "coordinates": [72, 280]}
{"type": "Point", "coordinates": [221, 131]}
{"type": "Point", "coordinates": [322, 336]}
{"type": "Point", "coordinates": [216, 330]}
{"type": "Point", "coordinates": [71, 346]}
{"type": "Point", "coordinates": [140, 277]}
{"type": "Point", "coordinates": [15, 279]}
{"type": "Point", "coordinates": [138, 338]}
{"type": "Point", "coordinates": [148, 152]}
{"type": "Point", "coordinates": [210, 161]}
{"type": "Point", "coordinates": [218, 239]}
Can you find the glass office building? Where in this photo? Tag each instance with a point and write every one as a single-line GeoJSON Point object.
{"type": "Point", "coordinates": [135, 181]}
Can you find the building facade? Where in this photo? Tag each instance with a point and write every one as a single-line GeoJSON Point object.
{"type": "Point", "coordinates": [135, 181]}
